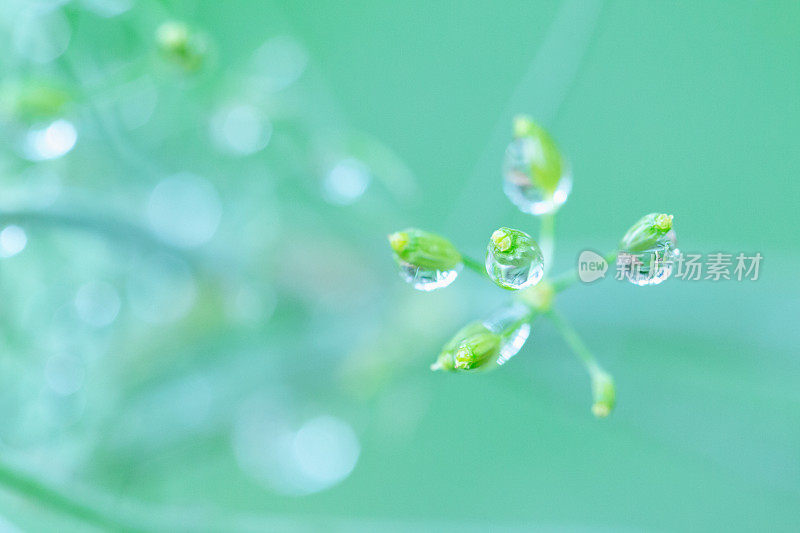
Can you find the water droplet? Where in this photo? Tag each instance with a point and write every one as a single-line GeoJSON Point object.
{"type": "Point", "coordinates": [518, 270]}
{"type": "Point", "coordinates": [108, 8]}
{"type": "Point", "coordinates": [51, 141]}
{"type": "Point", "coordinates": [240, 129]}
{"type": "Point", "coordinates": [184, 210]}
{"type": "Point", "coordinates": [12, 241]}
{"type": "Point", "coordinates": [278, 63]}
{"type": "Point", "coordinates": [505, 319]}
{"type": "Point", "coordinates": [326, 450]}
{"type": "Point", "coordinates": [97, 303]}
{"type": "Point", "coordinates": [653, 266]}
{"type": "Point", "coordinates": [427, 280]}
{"type": "Point", "coordinates": [41, 34]}
{"type": "Point", "coordinates": [346, 182]}
{"type": "Point", "coordinates": [519, 185]}
{"type": "Point", "coordinates": [64, 374]}
{"type": "Point", "coordinates": [292, 456]}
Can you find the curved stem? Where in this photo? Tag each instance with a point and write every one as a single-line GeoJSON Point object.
{"type": "Point", "coordinates": [64, 502]}
{"type": "Point", "coordinates": [474, 265]}
{"type": "Point", "coordinates": [574, 341]}
{"type": "Point", "coordinates": [110, 227]}
{"type": "Point", "coordinates": [547, 240]}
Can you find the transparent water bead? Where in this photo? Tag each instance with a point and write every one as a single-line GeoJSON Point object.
{"type": "Point", "coordinates": [513, 260]}
{"type": "Point", "coordinates": [427, 279]}
{"type": "Point", "coordinates": [653, 266]}
{"type": "Point", "coordinates": [521, 183]}
{"type": "Point", "coordinates": [49, 141]}
{"type": "Point", "coordinates": [505, 319]}
{"type": "Point", "coordinates": [427, 261]}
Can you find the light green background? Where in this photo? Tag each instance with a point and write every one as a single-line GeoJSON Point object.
{"type": "Point", "coordinates": [686, 107]}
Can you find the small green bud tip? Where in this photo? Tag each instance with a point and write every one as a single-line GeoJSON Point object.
{"type": "Point", "coordinates": [600, 410]}
{"type": "Point", "coordinates": [476, 351]}
{"type": "Point", "coordinates": [509, 241]}
{"type": "Point", "coordinates": [663, 222]}
{"type": "Point", "coordinates": [604, 394]}
{"type": "Point", "coordinates": [501, 240]}
{"type": "Point", "coordinates": [173, 35]}
{"type": "Point", "coordinates": [398, 241]}
{"type": "Point", "coordinates": [464, 358]}
{"type": "Point", "coordinates": [444, 361]}
{"type": "Point", "coordinates": [523, 125]}
{"type": "Point", "coordinates": [181, 44]}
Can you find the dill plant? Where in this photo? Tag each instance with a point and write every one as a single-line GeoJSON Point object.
{"type": "Point", "coordinates": [537, 179]}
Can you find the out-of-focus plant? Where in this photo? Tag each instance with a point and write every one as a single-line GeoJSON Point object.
{"type": "Point", "coordinates": [538, 181]}
{"type": "Point", "coordinates": [138, 227]}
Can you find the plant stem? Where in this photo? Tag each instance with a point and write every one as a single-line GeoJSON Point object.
{"type": "Point", "coordinates": [574, 341]}
{"type": "Point", "coordinates": [566, 279]}
{"type": "Point", "coordinates": [474, 265]}
{"type": "Point", "coordinates": [112, 228]}
{"type": "Point", "coordinates": [547, 240]}
{"type": "Point", "coordinates": [64, 502]}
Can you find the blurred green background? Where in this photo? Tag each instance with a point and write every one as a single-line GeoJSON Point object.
{"type": "Point", "coordinates": [202, 327]}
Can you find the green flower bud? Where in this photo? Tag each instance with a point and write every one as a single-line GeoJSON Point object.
{"type": "Point", "coordinates": [477, 350]}
{"type": "Point", "coordinates": [181, 45]}
{"type": "Point", "coordinates": [424, 250]}
{"type": "Point", "coordinates": [647, 233]}
{"type": "Point", "coordinates": [473, 346]}
{"type": "Point", "coordinates": [604, 394]}
{"type": "Point", "coordinates": [546, 164]}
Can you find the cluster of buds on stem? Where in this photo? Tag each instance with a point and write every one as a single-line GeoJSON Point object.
{"type": "Point", "coordinates": [537, 180]}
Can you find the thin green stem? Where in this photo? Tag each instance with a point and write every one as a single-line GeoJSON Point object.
{"type": "Point", "coordinates": [61, 501]}
{"type": "Point", "coordinates": [112, 228]}
{"type": "Point", "coordinates": [474, 265]}
{"type": "Point", "coordinates": [574, 341]}
{"type": "Point", "coordinates": [547, 241]}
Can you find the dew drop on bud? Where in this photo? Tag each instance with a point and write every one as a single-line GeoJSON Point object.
{"type": "Point", "coordinates": [515, 268]}
{"type": "Point", "coordinates": [520, 184]}
{"type": "Point", "coordinates": [653, 266]}
{"type": "Point", "coordinates": [504, 320]}
{"type": "Point", "coordinates": [427, 261]}
{"type": "Point", "coordinates": [427, 279]}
